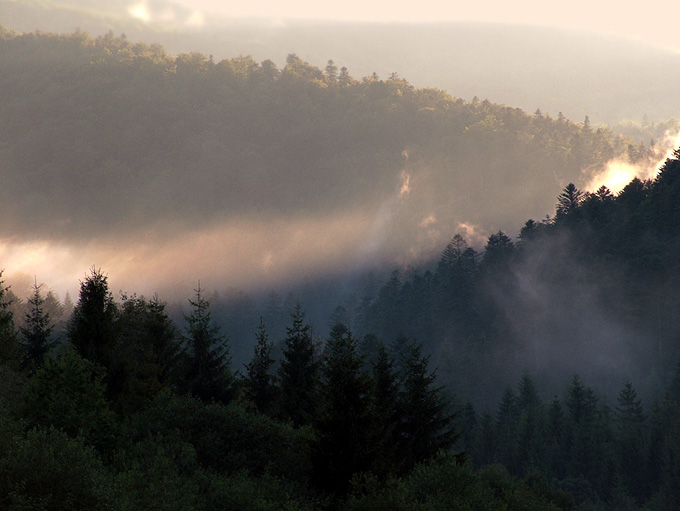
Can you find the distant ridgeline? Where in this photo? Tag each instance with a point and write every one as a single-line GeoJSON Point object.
{"type": "Point", "coordinates": [120, 127]}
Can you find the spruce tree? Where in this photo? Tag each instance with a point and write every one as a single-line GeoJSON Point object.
{"type": "Point", "coordinates": [207, 363]}
{"type": "Point", "coordinates": [36, 334]}
{"type": "Point", "coordinates": [386, 414]}
{"type": "Point", "coordinates": [298, 372]}
{"type": "Point", "coordinates": [149, 346]}
{"type": "Point", "coordinates": [631, 442]}
{"type": "Point", "coordinates": [426, 422]}
{"type": "Point", "coordinates": [260, 383]}
{"type": "Point", "coordinates": [507, 429]}
{"type": "Point", "coordinates": [92, 329]}
{"type": "Point", "coordinates": [345, 423]}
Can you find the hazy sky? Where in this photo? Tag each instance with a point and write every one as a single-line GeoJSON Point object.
{"type": "Point", "coordinates": [654, 21]}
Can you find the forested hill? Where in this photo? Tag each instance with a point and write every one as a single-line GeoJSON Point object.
{"type": "Point", "coordinates": [609, 78]}
{"type": "Point", "coordinates": [591, 291]}
{"type": "Point", "coordinates": [106, 135]}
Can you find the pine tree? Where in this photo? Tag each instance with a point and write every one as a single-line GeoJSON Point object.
{"type": "Point", "coordinates": [386, 414]}
{"type": "Point", "coordinates": [555, 439]}
{"type": "Point", "coordinates": [149, 349]}
{"type": "Point", "coordinates": [631, 441]}
{"type": "Point", "coordinates": [531, 431]}
{"type": "Point", "coordinates": [92, 328]}
{"type": "Point", "coordinates": [426, 424]}
{"type": "Point", "coordinates": [507, 427]}
{"type": "Point", "coordinates": [568, 202]}
{"type": "Point", "coordinates": [298, 373]}
{"type": "Point", "coordinates": [207, 371]}
{"type": "Point", "coordinates": [346, 444]}
{"type": "Point", "coordinates": [36, 334]}
{"type": "Point", "coordinates": [260, 383]}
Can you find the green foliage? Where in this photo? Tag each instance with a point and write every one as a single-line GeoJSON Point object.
{"type": "Point", "coordinates": [149, 344]}
{"type": "Point", "coordinates": [427, 425]}
{"type": "Point", "coordinates": [385, 401]}
{"type": "Point", "coordinates": [92, 328]}
{"type": "Point", "coordinates": [207, 373]}
{"type": "Point", "coordinates": [65, 393]}
{"type": "Point", "coordinates": [260, 383]}
{"type": "Point", "coordinates": [228, 439]}
{"type": "Point", "coordinates": [36, 335]}
{"type": "Point", "coordinates": [159, 472]}
{"type": "Point", "coordinates": [345, 424]}
{"type": "Point", "coordinates": [298, 372]}
{"type": "Point", "coordinates": [445, 484]}
{"type": "Point", "coordinates": [8, 342]}
{"type": "Point", "coordinates": [46, 470]}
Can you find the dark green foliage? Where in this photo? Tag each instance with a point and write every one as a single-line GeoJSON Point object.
{"type": "Point", "coordinates": [507, 428]}
{"type": "Point", "coordinates": [8, 341]}
{"type": "Point", "coordinates": [161, 473]}
{"type": "Point", "coordinates": [426, 419]}
{"type": "Point", "coordinates": [228, 439]}
{"type": "Point", "coordinates": [631, 442]}
{"type": "Point", "coordinates": [298, 372]}
{"type": "Point", "coordinates": [387, 418]}
{"type": "Point", "coordinates": [345, 424]}
{"type": "Point", "coordinates": [455, 277]}
{"type": "Point", "coordinates": [92, 328]}
{"type": "Point", "coordinates": [67, 394]}
{"type": "Point", "coordinates": [150, 344]}
{"type": "Point", "coordinates": [260, 382]}
{"type": "Point", "coordinates": [46, 470]}
{"type": "Point", "coordinates": [206, 355]}
{"type": "Point", "coordinates": [445, 484]}
{"type": "Point", "coordinates": [531, 445]}
{"type": "Point", "coordinates": [36, 334]}
{"type": "Point", "coordinates": [665, 455]}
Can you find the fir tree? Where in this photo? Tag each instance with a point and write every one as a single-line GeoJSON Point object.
{"type": "Point", "coordinates": [386, 414]}
{"type": "Point", "coordinates": [346, 445]}
{"type": "Point", "coordinates": [298, 373]}
{"type": "Point", "coordinates": [260, 383]}
{"type": "Point", "coordinates": [207, 371]}
{"type": "Point", "coordinates": [36, 334]}
{"type": "Point", "coordinates": [426, 425]}
{"type": "Point", "coordinates": [631, 442]}
{"type": "Point", "coordinates": [92, 328]}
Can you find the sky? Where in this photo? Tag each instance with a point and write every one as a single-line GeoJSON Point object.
{"type": "Point", "coordinates": [654, 21]}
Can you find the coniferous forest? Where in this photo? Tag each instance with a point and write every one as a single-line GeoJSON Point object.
{"type": "Point", "coordinates": [540, 372]}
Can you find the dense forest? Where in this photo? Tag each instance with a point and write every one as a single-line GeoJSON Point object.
{"type": "Point", "coordinates": [580, 73]}
{"type": "Point", "coordinates": [157, 417]}
{"type": "Point", "coordinates": [540, 372]}
{"type": "Point", "coordinates": [81, 117]}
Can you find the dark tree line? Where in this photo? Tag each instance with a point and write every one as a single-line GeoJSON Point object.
{"type": "Point", "coordinates": [127, 394]}
{"type": "Point", "coordinates": [617, 456]}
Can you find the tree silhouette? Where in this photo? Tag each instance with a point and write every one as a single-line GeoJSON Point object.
{"type": "Point", "coordinates": [36, 334]}
{"type": "Point", "coordinates": [207, 371]}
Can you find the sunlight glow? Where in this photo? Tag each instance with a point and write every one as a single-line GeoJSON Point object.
{"type": "Point", "coordinates": [140, 11]}
{"type": "Point", "coordinates": [618, 173]}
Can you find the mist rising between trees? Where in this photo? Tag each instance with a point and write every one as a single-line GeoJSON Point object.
{"type": "Point", "coordinates": [538, 373]}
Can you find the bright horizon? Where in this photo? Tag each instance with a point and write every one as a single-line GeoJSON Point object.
{"type": "Point", "coordinates": [653, 22]}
